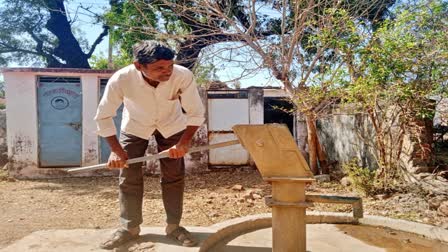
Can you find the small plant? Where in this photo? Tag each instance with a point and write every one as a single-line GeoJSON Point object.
{"type": "Point", "coordinates": [363, 179]}
{"type": "Point", "coordinates": [3, 175]}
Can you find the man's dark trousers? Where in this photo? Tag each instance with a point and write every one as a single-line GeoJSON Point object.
{"type": "Point", "coordinates": [131, 180]}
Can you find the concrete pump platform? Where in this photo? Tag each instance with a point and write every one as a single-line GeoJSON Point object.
{"type": "Point", "coordinates": [250, 234]}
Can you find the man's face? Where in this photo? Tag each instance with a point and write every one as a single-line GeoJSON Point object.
{"type": "Point", "coordinates": [160, 70]}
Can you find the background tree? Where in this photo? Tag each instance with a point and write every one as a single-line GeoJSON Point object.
{"type": "Point", "coordinates": [160, 19]}
{"type": "Point", "coordinates": [264, 34]}
{"type": "Point", "coordinates": [41, 32]}
{"type": "Point", "coordinates": [394, 72]}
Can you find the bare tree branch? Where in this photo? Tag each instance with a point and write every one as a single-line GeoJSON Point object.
{"type": "Point", "coordinates": [98, 40]}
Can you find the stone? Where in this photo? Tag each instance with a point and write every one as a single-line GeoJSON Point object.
{"type": "Point", "coordinates": [346, 181]}
{"type": "Point", "coordinates": [434, 203]}
{"type": "Point", "coordinates": [145, 246]}
{"type": "Point", "coordinates": [443, 209]}
{"type": "Point", "coordinates": [253, 195]}
{"type": "Point", "coordinates": [256, 196]}
{"type": "Point", "coordinates": [237, 188]}
{"type": "Point", "coordinates": [258, 191]}
{"type": "Point", "coordinates": [248, 195]}
{"type": "Point", "coordinates": [382, 196]}
{"type": "Point", "coordinates": [322, 178]}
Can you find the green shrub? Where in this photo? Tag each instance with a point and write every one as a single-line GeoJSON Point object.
{"type": "Point", "coordinates": [363, 179]}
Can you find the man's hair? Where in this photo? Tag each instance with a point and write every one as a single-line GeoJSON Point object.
{"type": "Point", "coordinates": [150, 51]}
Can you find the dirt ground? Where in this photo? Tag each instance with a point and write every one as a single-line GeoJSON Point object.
{"type": "Point", "coordinates": [211, 197]}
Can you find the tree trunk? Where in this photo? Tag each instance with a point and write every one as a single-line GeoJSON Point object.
{"type": "Point", "coordinates": [322, 156]}
{"type": "Point", "coordinates": [379, 136]}
{"type": "Point", "coordinates": [312, 144]}
{"type": "Point", "coordinates": [302, 134]}
{"type": "Point", "coordinates": [68, 48]}
{"type": "Point", "coordinates": [318, 157]}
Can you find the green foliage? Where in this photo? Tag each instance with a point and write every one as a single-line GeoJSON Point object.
{"type": "Point", "coordinates": [131, 22]}
{"type": "Point", "coordinates": [393, 72]}
{"type": "Point", "coordinates": [18, 20]}
{"type": "Point", "coordinates": [99, 62]}
{"type": "Point", "coordinates": [169, 21]}
{"type": "Point", "coordinates": [118, 61]}
{"type": "Point", "coordinates": [363, 179]}
{"type": "Point", "coordinates": [204, 74]}
{"type": "Point", "coordinates": [406, 59]}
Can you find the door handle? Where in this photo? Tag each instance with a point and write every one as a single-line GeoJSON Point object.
{"type": "Point", "coordinates": [75, 126]}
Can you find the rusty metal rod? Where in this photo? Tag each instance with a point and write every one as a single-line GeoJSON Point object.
{"type": "Point", "coordinates": [163, 154]}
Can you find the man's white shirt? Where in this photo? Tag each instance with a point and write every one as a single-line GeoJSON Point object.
{"type": "Point", "coordinates": [146, 108]}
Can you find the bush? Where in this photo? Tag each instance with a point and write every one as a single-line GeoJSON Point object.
{"type": "Point", "coordinates": [363, 179]}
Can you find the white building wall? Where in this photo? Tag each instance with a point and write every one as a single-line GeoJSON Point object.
{"type": "Point", "coordinates": [275, 92]}
{"type": "Point", "coordinates": [223, 114]}
{"type": "Point", "coordinates": [22, 122]}
{"type": "Point", "coordinates": [90, 145]}
{"type": "Point", "coordinates": [256, 106]}
{"type": "Point", "coordinates": [21, 114]}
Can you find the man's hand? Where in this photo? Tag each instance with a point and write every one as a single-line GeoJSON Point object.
{"type": "Point", "coordinates": [117, 159]}
{"type": "Point", "coordinates": [179, 150]}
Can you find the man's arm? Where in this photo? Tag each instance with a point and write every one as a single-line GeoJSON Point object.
{"type": "Point", "coordinates": [194, 110]}
{"type": "Point", "coordinates": [107, 109]}
{"type": "Point", "coordinates": [191, 102]}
